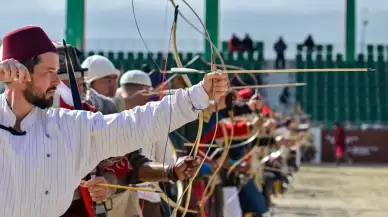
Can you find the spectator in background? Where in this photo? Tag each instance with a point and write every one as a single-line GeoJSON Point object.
{"type": "Point", "coordinates": [284, 96]}
{"type": "Point", "coordinates": [234, 44]}
{"type": "Point", "coordinates": [279, 48]}
{"type": "Point", "coordinates": [101, 81]}
{"type": "Point", "coordinates": [102, 75]}
{"type": "Point", "coordinates": [309, 44]}
{"type": "Point", "coordinates": [339, 142]}
{"type": "Point", "coordinates": [133, 82]}
{"type": "Point", "coordinates": [247, 44]}
{"type": "Point", "coordinates": [284, 100]}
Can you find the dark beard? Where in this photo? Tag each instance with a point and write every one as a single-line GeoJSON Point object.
{"type": "Point", "coordinates": [38, 99]}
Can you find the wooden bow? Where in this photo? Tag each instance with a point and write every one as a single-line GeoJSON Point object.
{"type": "Point", "coordinates": [187, 81]}
{"type": "Point", "coordinates": [200, 118]}
{"type": "Point", "coordinates": [225, 153]}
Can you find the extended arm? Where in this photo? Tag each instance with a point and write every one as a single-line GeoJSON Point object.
{"type": "Point", "coordinates": [100, 137]}
{"type": "Point", "coordinates": [155, 172]}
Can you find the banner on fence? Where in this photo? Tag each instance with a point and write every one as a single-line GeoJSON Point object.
{"type": "Point", "coordinates": [364, 146]}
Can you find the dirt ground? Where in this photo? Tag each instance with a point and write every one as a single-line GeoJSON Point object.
{"type": "Point", "coordinates": [328, 191]}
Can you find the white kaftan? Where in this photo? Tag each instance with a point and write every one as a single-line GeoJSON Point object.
{"type": "Point", "coordinates": [40, 170]}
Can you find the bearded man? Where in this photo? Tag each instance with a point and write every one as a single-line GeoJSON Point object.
{"type": "Point", "coordinates": [38, 141]}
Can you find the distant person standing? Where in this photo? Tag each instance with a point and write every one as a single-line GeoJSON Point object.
{"type": "Point", "coordinates": [247, 44]}
{"type": "Point", "coordinates": [279, 48]}
{"type": "Point", "coordinates": [234, 44]}
{"type": "Point", "coordinates": [309, 44]}
{"type": "Point", "coordinates": [339, 142]}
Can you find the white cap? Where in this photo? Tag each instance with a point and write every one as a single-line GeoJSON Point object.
{"type": "Point", "coordinates": [1, 52]}
{"type": "Point", "coordinates": [98, 67]}
{"type": "Point", "coordinates": [135, 77]}
{"type": "Point", "coordinates": [278, 138]}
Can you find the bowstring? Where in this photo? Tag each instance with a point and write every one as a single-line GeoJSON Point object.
{"type": "Point", "coordinates": [212, 47]}
{"type": "Point", "coordinates": [142, 38]}
{"type": "Point", "coordinates": [207, 36]}
{"type": "Point", "coordinates": [213, 67]}
{"type": "Point", "coordinates": [162, 85]}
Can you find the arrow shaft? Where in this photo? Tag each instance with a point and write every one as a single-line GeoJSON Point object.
{"type": "Point", "coordinates": [262, 71]}
{"type": "Point", "coordinates": [126, 187]}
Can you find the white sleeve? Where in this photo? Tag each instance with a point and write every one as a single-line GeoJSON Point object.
{"type": "Point", "coordinates": [104, 136]}
{"type": "Point", "coordinates": [162, 152]}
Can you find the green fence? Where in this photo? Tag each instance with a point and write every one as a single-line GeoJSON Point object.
{"type": "Point", "coordinates": [127, 61]}
{"type": "Point", "coordinates": [354, 97]}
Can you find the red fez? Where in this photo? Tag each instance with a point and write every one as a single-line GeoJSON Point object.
{"type": "Point", "coordinates": [266, 110]}
{"type": "Point", "coordinates": [25, 43]}
{"type": "Point", "coordinates": [245, 93]}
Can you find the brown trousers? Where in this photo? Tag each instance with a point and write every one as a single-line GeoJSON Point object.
{"type": "Point", "coordinates": [151, 209]}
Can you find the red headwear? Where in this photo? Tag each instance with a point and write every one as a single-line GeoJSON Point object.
{"type": "Point", "coordinates": [245, 93]}
{"type": "Point", "coordinates": [25, 43]}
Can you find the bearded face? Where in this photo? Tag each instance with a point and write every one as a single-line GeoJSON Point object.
{"type": "Point", "coordinates": [37, 97]}
{"type": "Point", "coordinates": [44, 80]}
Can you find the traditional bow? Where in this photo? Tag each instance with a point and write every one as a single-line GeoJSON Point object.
{"type": "Point", "coordinates": [188, 83]}
{"type": "Point", "coordinates": [225, 154]}
{"type": "Point", "coordinates": [200, 118]}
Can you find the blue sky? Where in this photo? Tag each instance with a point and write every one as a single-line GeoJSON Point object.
{"type": "Point", "coordinates": [110, 23]}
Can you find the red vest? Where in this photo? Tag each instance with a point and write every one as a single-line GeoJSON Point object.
{"type": "Point", "coordinates": [241, 129]}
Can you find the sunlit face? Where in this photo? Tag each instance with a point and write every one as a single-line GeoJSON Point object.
{"type": "Point", "coordinates": [259, 103]}
{"type": "Point", "coordinates": [131, 89]}
{"type": "Point", "coordinates": [291, 125]}
{"type": "Point", "coordinates": [106, 86]}
{"type": "Point", "coordinates": [44, 81]}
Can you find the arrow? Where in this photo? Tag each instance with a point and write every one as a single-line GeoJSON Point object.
{"type": "Point", "coordinates": [262, 71]}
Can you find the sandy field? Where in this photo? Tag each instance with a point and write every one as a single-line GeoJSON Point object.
{"type": "Point", "coordinates": [329, 191]}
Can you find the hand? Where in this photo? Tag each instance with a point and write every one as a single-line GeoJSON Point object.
{"type": "Point", "coordinates": [213, 166]}
{"type": "Point", "coordinates": [221, 105]}
{"type": "Point", "coordinates": [255, 102]}
{"type": "Point", "coordinates": [139, 98]}
{"type": "Point", "coordinates": [222, 102]}
{"type": "Point", "coordinates": [186, 167]}
{"type": "Point", "coordinates": [216, 84]}
{"type": "Point", "coordinates": [243, 167]}
{"type": "Point", "coordinates": [12, 70]}
{"type": "Point", "coordinates": [98, 193]}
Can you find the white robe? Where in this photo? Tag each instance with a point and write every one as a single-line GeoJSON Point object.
{"type": "Point", "coordinates": [40, 170]}
{"type": "Point", "coordinates": [232, 206]}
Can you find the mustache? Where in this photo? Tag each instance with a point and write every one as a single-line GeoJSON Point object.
{"type": "Point", "coordinates": [51, 88]}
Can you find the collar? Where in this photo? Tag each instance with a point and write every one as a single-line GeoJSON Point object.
{"type": "Point", "coordinates": [10, 118]}
{"type": "Point", "coordinates": [65, 93]}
